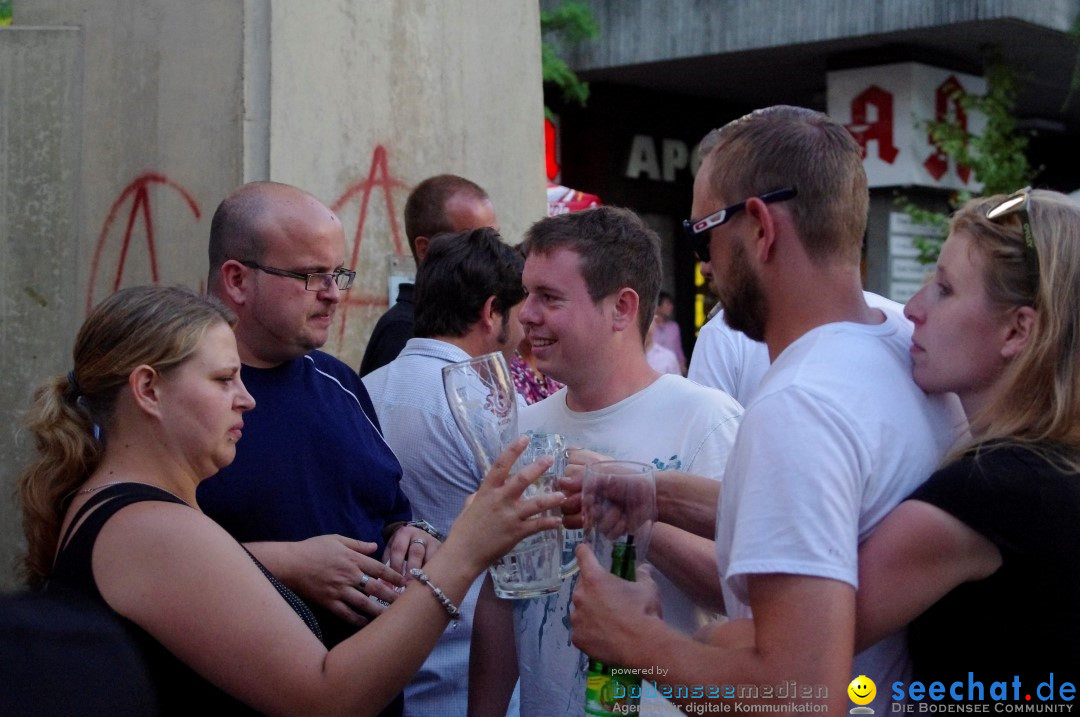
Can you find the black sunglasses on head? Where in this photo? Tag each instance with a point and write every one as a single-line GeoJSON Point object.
{"type": "Point", "coordinates": [698, 231]}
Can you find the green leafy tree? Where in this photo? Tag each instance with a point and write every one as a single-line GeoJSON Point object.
{"type": "Point", "coordinates": [565, 26]}
{"type": "Point", "coordinates": [997, 155]}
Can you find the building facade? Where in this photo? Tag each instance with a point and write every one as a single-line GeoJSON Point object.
{"type": "Point", "coordinates": [664, 72]}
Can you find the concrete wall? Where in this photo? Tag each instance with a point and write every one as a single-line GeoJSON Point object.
{"type": "Point", "coordinates": [355, 102]}
{"type": "Point", "coordinates": [39, 191]}
{"type": "Point", "coordinates": [161, 124]}
{"type": "Point", "coordinates": [400, 91]}
{"type": "Point", "coordinates": [181, 102]}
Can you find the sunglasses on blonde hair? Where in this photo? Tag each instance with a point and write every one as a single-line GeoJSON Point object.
{"type": "Point", "coordinates": [1018, 204]}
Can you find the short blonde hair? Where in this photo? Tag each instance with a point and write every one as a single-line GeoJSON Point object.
{"type": "Point", "coordinates": [782, 146]}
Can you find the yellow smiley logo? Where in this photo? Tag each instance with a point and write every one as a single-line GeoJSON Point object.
{"type": "Point", "coordinates": [862, 690]}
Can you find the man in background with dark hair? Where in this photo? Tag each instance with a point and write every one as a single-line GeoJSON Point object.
{"type": "Point", "coordinates": [443, 203]}
{"type": "Point", "coordinates": [468, 292]}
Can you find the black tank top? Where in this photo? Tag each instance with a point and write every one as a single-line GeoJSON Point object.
{"type": "Point", "coordinates": [180, 690]}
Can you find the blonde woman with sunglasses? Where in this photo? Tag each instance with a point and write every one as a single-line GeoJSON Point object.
{"type": "Point", "coordinates": [981, 560]}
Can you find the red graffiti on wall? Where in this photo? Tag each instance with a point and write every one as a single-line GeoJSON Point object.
{"type": "Point", "coordinates": [139, 193]}
{"type": "Point", "coordinates": [378, 178]}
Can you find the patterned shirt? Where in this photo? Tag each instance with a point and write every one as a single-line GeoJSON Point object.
{"type": "Point", "coordinates": [531, 385]}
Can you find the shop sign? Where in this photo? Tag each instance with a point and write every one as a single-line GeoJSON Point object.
{"type": "Point", "coordinates": [886, 107]}
{"type": "Point", "coordinates": [661, 159]}
{"type": "Point", "coordinates": [552, 154]}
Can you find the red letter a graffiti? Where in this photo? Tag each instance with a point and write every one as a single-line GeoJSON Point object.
{"type": "Point", "coordinates": [378, 178]}
{"type": "Point", "coordinates": [138, 190]}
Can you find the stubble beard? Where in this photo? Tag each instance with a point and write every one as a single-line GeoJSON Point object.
{"type": "Point", "coordinates": [745, 307]}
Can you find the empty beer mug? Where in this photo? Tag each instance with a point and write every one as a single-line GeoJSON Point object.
{"type": "Point", "coordinates": [618, 503]}
{"type": "Point", "coordinates": [535, 566]}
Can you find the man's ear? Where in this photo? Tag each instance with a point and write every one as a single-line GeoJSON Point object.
{"type": "Point", "coordinates": [490, 319]}
{"type": "Point", "coordinates": [235, 281]}
{"type": "Point", "coordinates": [625, 309]}
{"type": "Point", "coordinates": [763, 246]}
{"type": "Point", "coordinates": [144, 383]}
{"type": "Point", "coordinates": [1018, 331]}
{"type": "Point", "coordinates": [421, 244]}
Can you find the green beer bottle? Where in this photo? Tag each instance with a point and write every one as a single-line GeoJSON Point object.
{"type": "Point", "coordinates": [607, 693]}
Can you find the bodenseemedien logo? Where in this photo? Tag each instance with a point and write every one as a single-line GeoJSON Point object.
{"type": "Point", "coordinates": [862, 692]}
{"type": "Point", "coordinates": [1050, 695]}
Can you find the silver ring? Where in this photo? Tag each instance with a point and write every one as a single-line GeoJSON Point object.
{"type": "Point", "coordinates": [417, 540]}
{"type": "Point", "coordinates": [364, 580]}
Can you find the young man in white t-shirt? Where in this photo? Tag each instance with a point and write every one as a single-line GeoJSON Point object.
{"type": "Point", "coordinates": [592, 279]}
{"type": "Point", "coordinates": [836, 434]}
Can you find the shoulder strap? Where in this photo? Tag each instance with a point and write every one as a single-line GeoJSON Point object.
{"type": "Point", "coordinates": [72, 566]}
{"type": "Point", "coordinates": [125, 494]}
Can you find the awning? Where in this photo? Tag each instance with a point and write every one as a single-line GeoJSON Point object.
{"type": "Point", "coordinates": [564, 199]}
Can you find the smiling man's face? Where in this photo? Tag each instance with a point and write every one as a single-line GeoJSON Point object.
{"type": "Point", "coordinates": [563, 325]}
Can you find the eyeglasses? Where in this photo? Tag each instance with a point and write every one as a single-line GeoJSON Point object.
{"type": "Point", "coordinates": [698, 231]}
{"type": "Point", "coordinates": [1019, 204]}
{"type": "Point", "coordinates": [312, 282]}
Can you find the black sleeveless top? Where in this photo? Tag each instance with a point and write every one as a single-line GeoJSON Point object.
{"type": "Point", "coordinates": [180, 690]}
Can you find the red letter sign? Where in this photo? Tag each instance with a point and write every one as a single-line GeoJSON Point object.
{"type": "Point", "coordinates": [881, 130]}
{"type": "Point", "coordinates": [938, 162]}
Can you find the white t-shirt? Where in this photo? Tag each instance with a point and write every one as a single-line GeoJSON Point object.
{"type": "Point", "coordinates": [835, 436]}
{"type": "Point", "coordinates": [731, 361]}
{"type": "Point", "coordinates": [673, 424]}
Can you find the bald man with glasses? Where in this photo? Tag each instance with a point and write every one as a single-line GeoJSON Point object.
{"type": "Point", "coordinates": [314, 491]}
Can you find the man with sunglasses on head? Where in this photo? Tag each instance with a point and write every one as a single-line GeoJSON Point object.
{"type": "Point", "coordinates": [726, 358]}
{"type": "Point", "coordinates": [836, 434]}
{"type": "Point", "coordinates": [314, 490]}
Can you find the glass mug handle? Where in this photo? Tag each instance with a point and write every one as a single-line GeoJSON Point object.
{"type": "Point", "coordinates": [571, 539]}
{"type": "Point", "coordinates": [554, 445]}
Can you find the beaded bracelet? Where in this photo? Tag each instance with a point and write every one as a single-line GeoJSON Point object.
{"type": "Point", "coordinates": [451, 608]}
